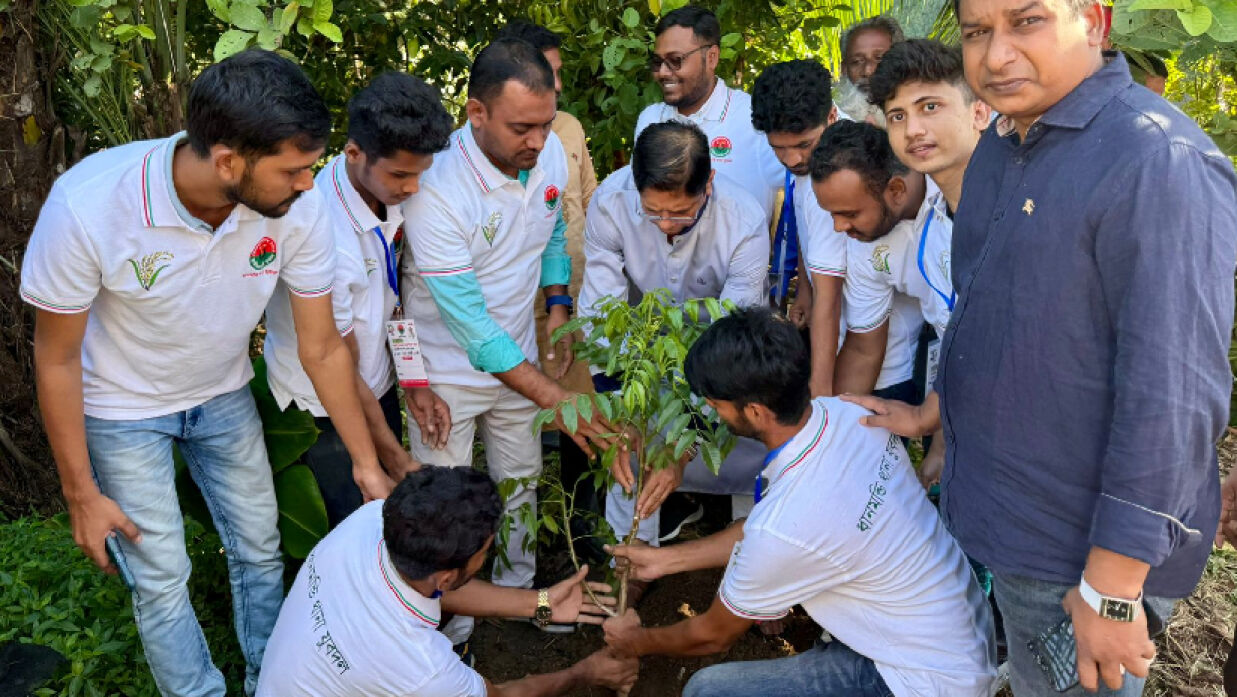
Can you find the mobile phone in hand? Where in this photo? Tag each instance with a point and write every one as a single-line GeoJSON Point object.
{"type": "Point", "coordinates": [113, 551]}
{"type": "Point", "coordinates": [1056, 651]}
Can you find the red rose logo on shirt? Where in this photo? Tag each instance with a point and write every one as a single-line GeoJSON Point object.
{"type": "Point", "coordinates": [263, 254]}
{"type": "Point", "coordinates": [720, 147]}
{"type": "Point", "coordinates": [551, 197]}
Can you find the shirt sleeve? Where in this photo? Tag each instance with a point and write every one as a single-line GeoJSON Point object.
{"type": "Point", "coordinates": [768, 575]}
{"type": "Point", "coordinates": [452, 679]}
{"type": "Point", "coordinates": [555, 261]}
{"type": "Point", "coordinates": [824, 250]}
{"type": "Point", "coordinates": [343, 295]}
{"type": "Point", "coordinates": [749, 267]}
{"type": "Point", "coordinates": [868, 293]}
{"type": "Point", "coordinates": [1165, 248]}
{"type": "Point", "coordinates": [443, 260]}
{"type": "Point", "coordinates": [60, 270]}
{"type": "Point", "coordinates": [604, 258]}
{"type": "Point", "coordinates": [309, 269]}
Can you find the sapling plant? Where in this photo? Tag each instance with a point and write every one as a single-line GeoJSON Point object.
{"type": "Point", "coordinates": [657, 420]}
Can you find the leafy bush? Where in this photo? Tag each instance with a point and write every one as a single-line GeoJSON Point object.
{"type": "Point", "coordinates": [52, 595]}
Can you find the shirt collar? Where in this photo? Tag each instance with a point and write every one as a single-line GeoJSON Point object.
{"type": "Point", "coordinates": [715, 108]}
{"type": "Point", "coordinates": [345, 195]}
{"type": "Point", "coordinates": [424, 610]}
{"type": "Point", "coordinates": [795, 451]}
{"type": "Point", "coordinates": [1084, 102]}
{"type": "Point", "coordinates": [487, 175]}
{"type": "Point", "coordinates": [160, 204]}
{"type": "Point", "coordinates": [933, 202]}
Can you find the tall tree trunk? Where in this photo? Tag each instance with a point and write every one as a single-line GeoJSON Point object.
{"type": "Point", "coordinates": [32, 154]}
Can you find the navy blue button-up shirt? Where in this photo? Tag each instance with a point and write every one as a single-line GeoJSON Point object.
{"type": "Point", "coordinates": [1084, 378]}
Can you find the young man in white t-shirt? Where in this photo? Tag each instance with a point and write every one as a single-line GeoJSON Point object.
{"type": "Point", "coordinates": [395, 125]}
{"type": "Point", "coordinates": [149, 268]}
{"type": "Point", "coordinates": [841, 528]}
{"type": "Point", "coordinates": [684, 64]}
{"type": "Point", "coordinates": [362, 616]}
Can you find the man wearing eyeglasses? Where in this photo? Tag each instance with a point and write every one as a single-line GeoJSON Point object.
{"type": "Point", "coordinates": [684, 64]}
{"type": "Point", "coordinates": [666, 221]}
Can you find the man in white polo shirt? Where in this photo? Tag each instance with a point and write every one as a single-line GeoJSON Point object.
{"type": "Point", "coordinates": [666, 221]}
{"type": "Point", "coordinates": [395, 125]}
{"type": "Point", "coordinates": [841, 528]}
{"type": "Point", "coordinates": [362, 616]}
{"type": "Point", "coordinates": [882, 207]}
{"type": "Point", "coordinates": [486, 230]}
{"type": "Point", "coordinates": [684, 63]}
{"type": "Point", "coordinates": [150, 266]}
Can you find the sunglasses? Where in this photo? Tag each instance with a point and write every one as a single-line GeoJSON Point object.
{"type": "Point", "coordinates": [673, 61]}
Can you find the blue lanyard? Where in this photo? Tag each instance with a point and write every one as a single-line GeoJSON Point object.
{"type": "Point", "coordinates": [787, 235]}
{"type": "Point", "coordinates": [759, 488]}
{"type": "Point", "coordinates": [392, 265]}
{"type": "Point", "coordinates": [923, 239]}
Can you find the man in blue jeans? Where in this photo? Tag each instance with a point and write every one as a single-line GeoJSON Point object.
{"type": "Point", "coordinates": [149, 267]}
{"type": "Point", "coordinates": [1083, 377]}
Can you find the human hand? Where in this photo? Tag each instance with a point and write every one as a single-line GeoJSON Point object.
{"type": "Point", "coordinates": [560, 349]}
{"type": "Point", "coordinates": [397, 462]}
{"type": "Point", "coordinates": [647, 563]}
{"type": "Point", "coordinates": [1228, 511]}
{"type": "Point", "coordinates": [801, 310]}
{"type": "Point", "coordinates": [373, 482]}
{"type": "Point", "coordinates": [658, 484]}
{"type": "Point", "coordinates": [621, 467]}
{"type": "Point", "coordinates": [933, 462]}
{"type": "Point", "coordinates": [621, 632]}
{"type": "Point", "coordinates": [899, 418]}
{"type": "Point", "coordinates": [569, 603]}
{"type": "Point", "coordinates": [1107, 649]}
{"type": "Point", "coordinates": [94, 519]}
{"type": "Point", "coordinates": [432, 415]}
{"type": "Point", "coordinates": [607, 669]}
{"type": "Point", "coordinates": [595, 435]}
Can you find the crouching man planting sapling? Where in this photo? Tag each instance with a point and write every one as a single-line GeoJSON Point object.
{"type": "Point", "coordinates": [840, 527]}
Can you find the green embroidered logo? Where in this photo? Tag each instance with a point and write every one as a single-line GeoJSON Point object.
{"type": "Point", "coordinates": [490, 229]}
{"type": "Point", "coordinates": [371, 265]}
{"type": "Point", "coordinates": [263, 254]}
{"type": "Point", "coordinates": [147, 269]}
{"type": "Point", "coordinates": [880, 258]}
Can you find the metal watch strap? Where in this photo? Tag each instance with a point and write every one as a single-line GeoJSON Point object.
{"type": "Point", "coordinates": [543, 601]}
{"type": "Point", "coordinates": [1109, 607]}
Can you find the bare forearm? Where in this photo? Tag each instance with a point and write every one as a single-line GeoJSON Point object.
{"type": "Point", "coordinates": [546, 685]}
{"type": "Point", "coordinates": [691, 637]}
{"type": "Point", "coordinates": [333, 375]}
{"type": "Point", "coordinates": [823, 330]}
{"type": "Point", "coordinates": [857, 368]}
{"type": "Point", "coordinates": [533, 384]}
{"type": "Point", "coordinates": [59, 387]}
{"type": "Point", "coordinates": [1115, 574]}
{"type": "Point", "coordinates": [480, 599]}
{"type": "Point", "coordinates": [710, 552]}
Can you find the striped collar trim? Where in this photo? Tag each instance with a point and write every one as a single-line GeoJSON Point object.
{"type": "Point", "coordinates": [404, 593]}
{"type": "Point", "coordinates": [359, 214]}
{"type": "Point", "coordinates": [147, 197]}
{"type": "Point", "coordinates": [482, 169]}
{"type": "Point", "coordinates": [810, 443]}
{"type": "Point", "coordinates": [717, 106]}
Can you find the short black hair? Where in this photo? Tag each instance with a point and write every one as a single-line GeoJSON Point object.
{"type": "Point", "coordinates": [437, 518]}
{"type": "Point", "coordinates": [395, 112]}
{"type": "Point", "coordinates": [791, 97]}
{"type": "Point", "coordinates": [917, 60]}
{"type": "Point", "coordinates": [1075, 6]}
{"type": "Point", "coordinates": [700, 20]}
{"type": "Point", "coordinates": [753, 356]}
{"type": "Point", "coordinates": [861, 148]}
{"type": "Point", "coordinates": [671, 156]}
{"type": "Point", "coordinates": [884, 23]}
{"type": "Point", "coordinates": [508, 59]}
{"type": "Point", "coordinates": [541, 38]}
{"type": "Point", "coordinates": [252, 102]}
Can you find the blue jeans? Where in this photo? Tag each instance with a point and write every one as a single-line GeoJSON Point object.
{"type": "Point", "coordinates": [221, 441]}
{"type": "Point", "coordinates": [826, 670]}
{"type": "Point", "coordinates": [1030, 607]}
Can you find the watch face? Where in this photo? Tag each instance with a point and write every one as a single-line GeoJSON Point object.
{"type": "Point", "coordinates": [1117, 610]}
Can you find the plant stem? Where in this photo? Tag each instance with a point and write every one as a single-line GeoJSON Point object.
{"type": "Point", "coordinates": [624, 574]}
{"type": "Point", "coordinates": [571, 550]}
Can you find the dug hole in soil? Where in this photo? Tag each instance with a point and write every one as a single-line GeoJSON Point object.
{"type": "Point", "coordinates": [507, 650]}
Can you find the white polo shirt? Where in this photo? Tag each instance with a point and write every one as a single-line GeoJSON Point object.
{"type": "Point", "coordinates": [725, 256]}
{"type": "Point", "coordinates": [469, 217]}
{"type": "Point", "coordinates": [352, 626]}
{"type": "Point", "coordinates": [823, 249]}
{"type": "Point", "coordinates": [362, 297]}
{"type": "Point", "coordinates": [739, 150]}
{"type": "Point", "coordinates": [172, 303]}
{"type": "Point", "coordinates": [845, 531]}
{"type": "Point", "coordinates": [913, 260]}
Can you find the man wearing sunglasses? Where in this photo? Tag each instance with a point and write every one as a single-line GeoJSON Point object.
{"type": "Point", "coordinates": [666, 221]}
{"type": "Point", "coordinates": [684, 64]}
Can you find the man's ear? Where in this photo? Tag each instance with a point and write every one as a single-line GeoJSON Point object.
{"type": "Point", "coordinates": [708, 187]}
{"type": "Point", "coordinates": [832, 118]}
{"type": "Point", "coordinates": [1093, 16]}
{"type": "Point", "coordinates": [476, 112]}
{"type": "Point", "coordinates": [895, 191]}
{"type": "Point", "coordinates": [982, 113]}
{"type": "Point", "coordinates": [446, 580]}
{"type": "Point", "coordinates": [229, 165]}
{"type": "Point", "coordinates": [354, 153]}
{"type": "Point", "coordinates": [712, 56]}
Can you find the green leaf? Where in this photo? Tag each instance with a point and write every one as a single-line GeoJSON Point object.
{"type": "Point", "coordinates": [230, 42]}
{"type": "Point", "coordinates": [571, 417]}
{"type": "Point", "coordinates": [1141, 5]}
{"type": "Point", "coordinates": [268, 38]}
{"type": "Point", "coordinates": [330, 31]}
{"type": "Point", "coordinates": [101, 47]}
{"type": "Point", "coordinates": [219, 8]}
{"type": "Point", "coordinates": [584, 404]}
{"type": "Point", "coordinates": [92, 86]}
{"type": "Point", "coordinates": [302, 515]}
{"type": "Point", "coordinates": [1224, 20]}
{"type": "Point", "coordinates": [679, 424]}
{"type": "Point", "coordinates": [145, 32]}
{"type": "Point", "coordinates": [631, 18]}
{"type": "Point", "coordinates": [612, 55]}
{"type": "Point", "coordinates": [288, 432]}
{"type": "Point", "coordinates": [712, 457]}
{"type": "Point", "coordinates": [287, 20]}
{"type": "Point", "coordinates": [714, 308]}
{"type": "Point", "coordinates": [604, 406]}
{"type": "Point", "coordinates": [101, 63]}
{"type": "Point", "coordinates": [684, 441]}
{"type": "Point", "coordinates": [731, 39]}
{"type": "Point", "coordinates": [305, 26]}
{"type": "Point", "coordinates": [322, 11]}
{"type": "Point", "coordinates": [1196, 20]}
{"type": "Point", "coordinates": [247, 17]}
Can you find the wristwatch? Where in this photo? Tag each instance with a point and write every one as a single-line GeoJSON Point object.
{"type": "Point", "coordinates": [543, 612]}
{"type": "Point", "coordinates": [1108, 607]}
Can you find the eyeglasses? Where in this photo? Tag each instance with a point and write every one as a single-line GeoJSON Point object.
{"type": "Point", "coordinates": [676, 220]}
{"type": "Point", "coordinates": [673, 61]}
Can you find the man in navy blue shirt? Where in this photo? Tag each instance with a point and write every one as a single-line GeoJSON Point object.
{"type": "Point", "coordinates": [1083, 379]}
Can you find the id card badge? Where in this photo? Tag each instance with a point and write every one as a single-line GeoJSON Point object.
{"type": "Point", "coordinates": [406, 353]}
{"type": "Point", "coordinates": [933, 361]}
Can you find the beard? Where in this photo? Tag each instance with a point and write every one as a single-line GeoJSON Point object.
{"type": "Point", "coordinates": [852, 100]}
{"type": "Point", "coordinates": [887, 221]}
{"type": "Point", "coordinates": [246, 194]}
{"type": "Point", "coordinates": [691, 93]}
{"type": "Point", "coordinates": [743, 427]}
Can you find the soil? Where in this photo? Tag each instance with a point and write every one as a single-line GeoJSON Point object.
{"type": "Point", "coordinates": [510, 650]}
